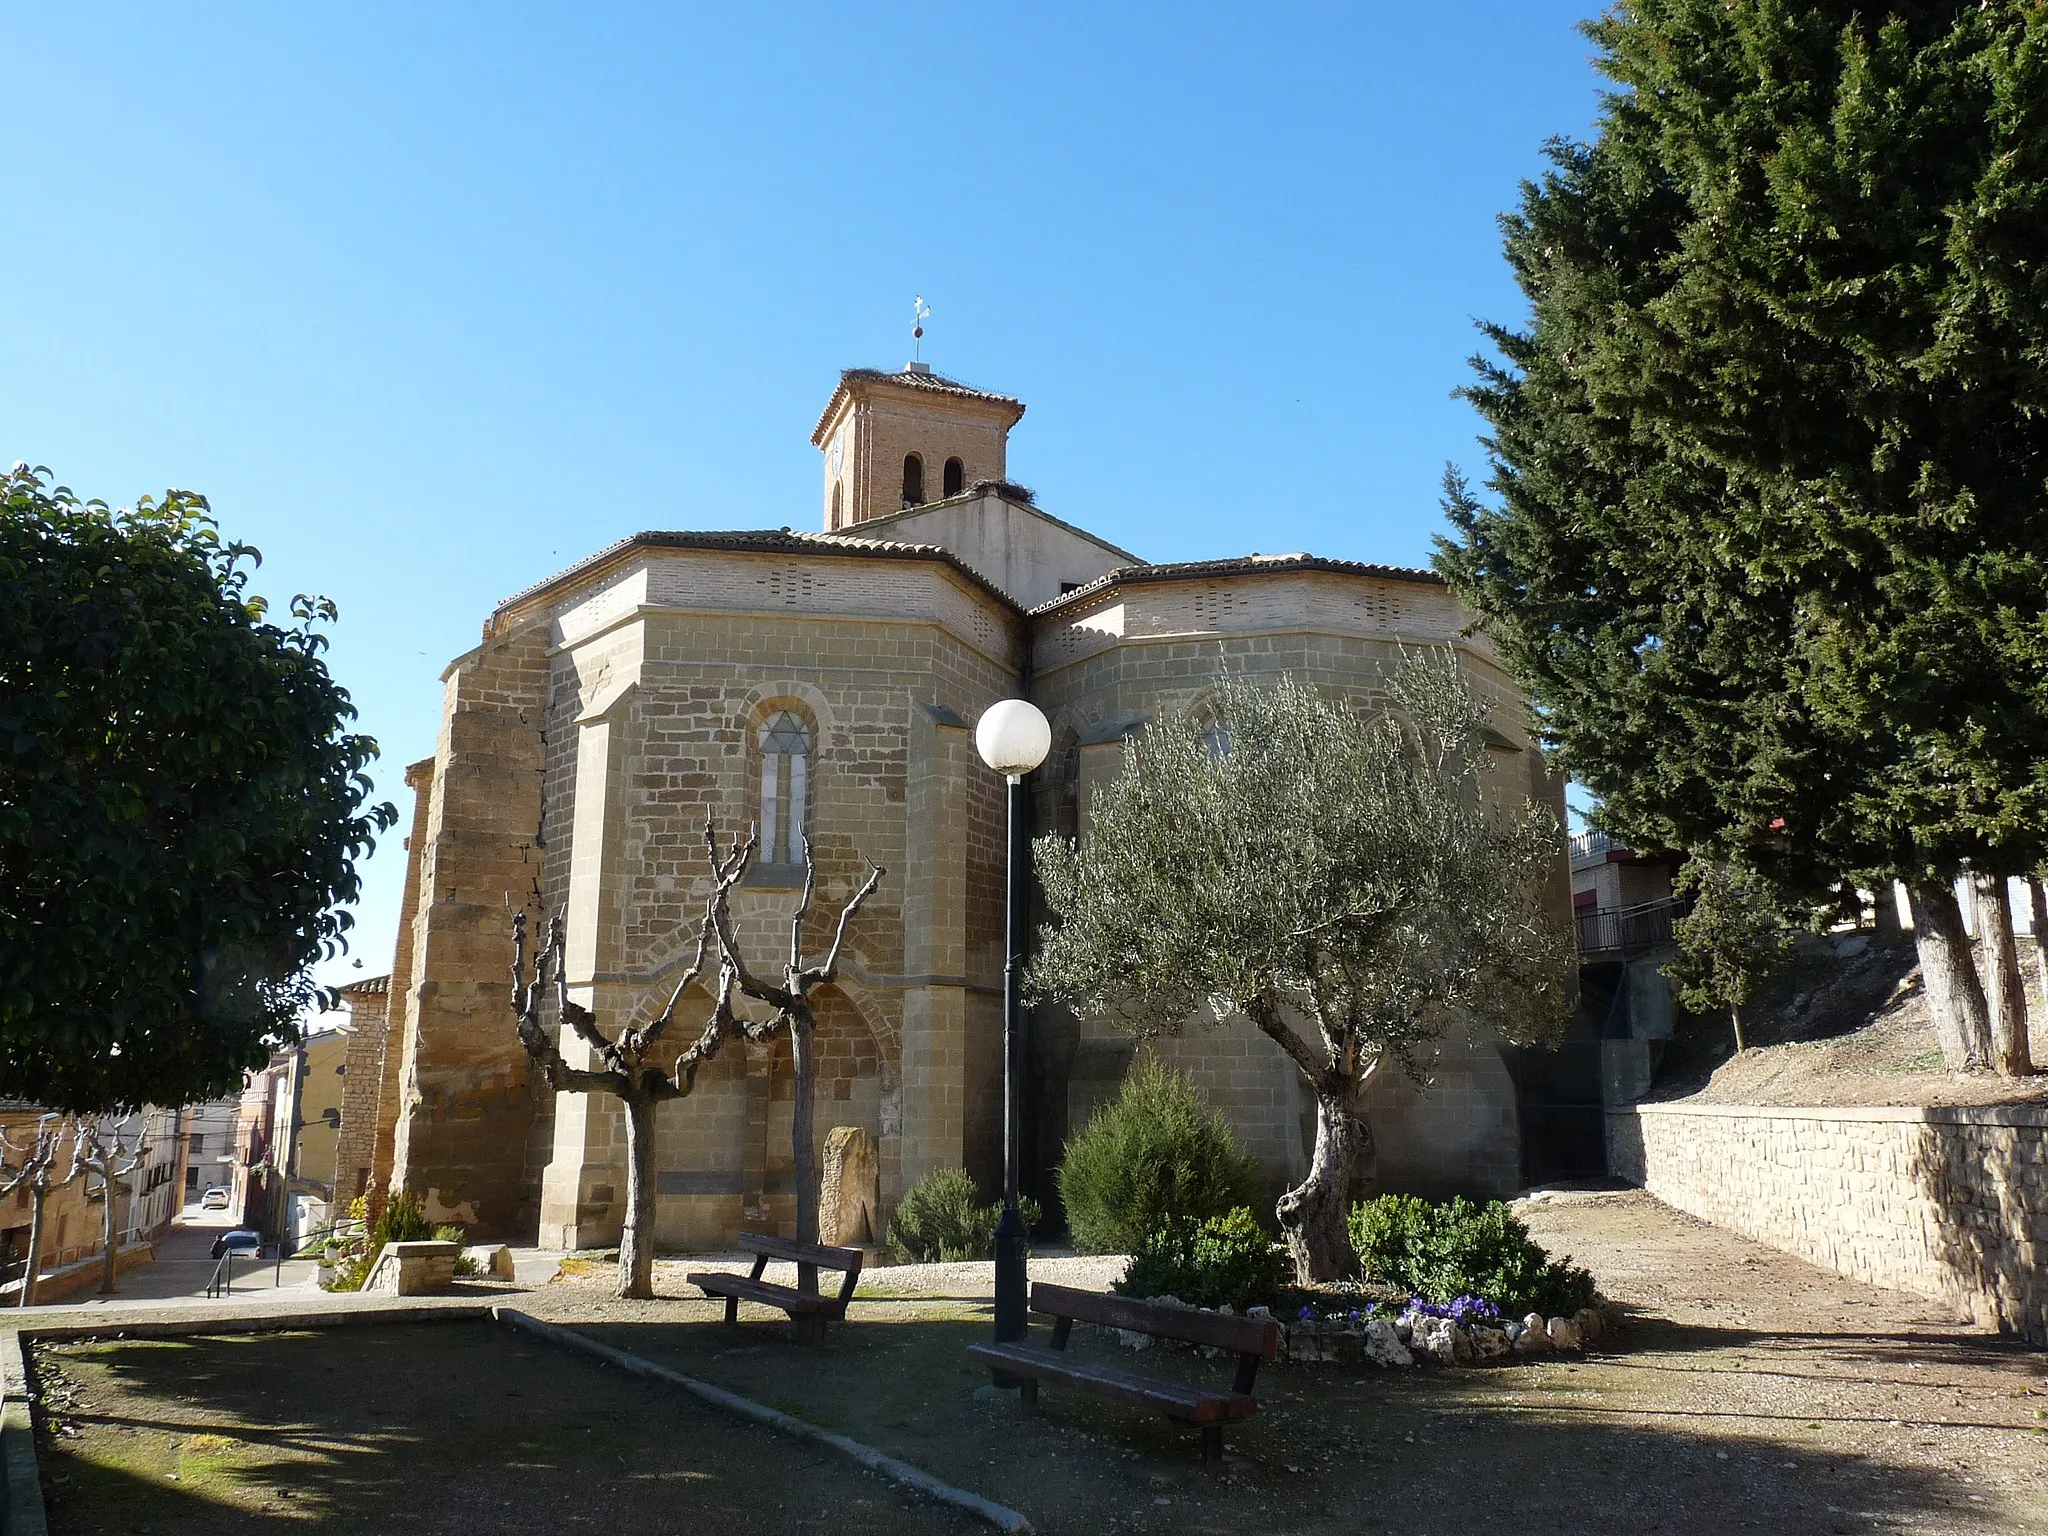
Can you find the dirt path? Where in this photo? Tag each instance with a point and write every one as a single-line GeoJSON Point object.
{"type": "Point", "coordinates": [1747, 1391]}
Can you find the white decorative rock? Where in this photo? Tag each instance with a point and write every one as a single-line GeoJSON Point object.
{"type": "Point", "coordinates": [1489, 1343]}
{"type": "Point", "coordinates": [1404, 1330]}
{"type": "Point", "coordinates": [1564, 1333]}
{"type": "Point", "coordinates": [1383, 1346]}
{"type": "Point", "coordinates": [1441, 1340]}
{"type": "Point", "coordinates": [1534, 1321]}
{"type": "Point", "coordinates": [1532, 1340]}
{"type": "Point", "coordinates": [1591, 1323]}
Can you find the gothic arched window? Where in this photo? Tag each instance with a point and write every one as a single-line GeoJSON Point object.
{"type": "Point", "coordinates": [785, 760]}
{"type": "Point", "coordinates": [956, 477]}
{"type": "Point", "coordinates": [836, 489]}
{"type": "Point", "coordinates": [913, 480]}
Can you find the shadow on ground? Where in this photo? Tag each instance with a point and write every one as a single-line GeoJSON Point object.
{"type": "Point", "coordinates": [442, 1427]}
{"type": "Point", "coordinates": [1614, 1442]}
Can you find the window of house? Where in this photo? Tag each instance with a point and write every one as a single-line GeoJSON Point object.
{"type": "Point", "coordinates": [956, 477]}
{"type": "Point", "coordinates": [198, 1145]}
{"type": "Point", "coordinates": [913, 480]}
{"type": "Point", "coordinates": [836, 489]}
{"type": "Point", "coordinates": [785, 763]}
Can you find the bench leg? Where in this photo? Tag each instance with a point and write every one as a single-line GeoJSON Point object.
{"type": "Point", "coordinates": [732, 1311]}
{"type": "Point", "coordinates": [1212, 1444]}
{"type": "Point", "coordinates": [1027, 1394]}
{"type": "Point", "coordinates": [810, 1330]}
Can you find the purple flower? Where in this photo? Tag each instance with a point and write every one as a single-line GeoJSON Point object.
{"type": "Point", "coordinates": [1353, 1315]}
{"type": "Point", "coordinates": [1307, 1314]}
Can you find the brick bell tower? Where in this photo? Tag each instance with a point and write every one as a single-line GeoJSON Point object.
{"type": "Point", "coordinates": [892, 441]}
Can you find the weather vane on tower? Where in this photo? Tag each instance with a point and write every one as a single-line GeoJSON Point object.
{"type": "Point", "coordinates": [919, 313]}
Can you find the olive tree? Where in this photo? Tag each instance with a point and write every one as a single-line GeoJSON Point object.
{"type": "Point", "coordinates": [624, 1064]}
{"type": "Point", "coordinates": [1352, 883]}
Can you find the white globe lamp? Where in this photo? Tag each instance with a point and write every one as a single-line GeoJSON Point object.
{"type": "Point", "coordinates": [1013, 737]}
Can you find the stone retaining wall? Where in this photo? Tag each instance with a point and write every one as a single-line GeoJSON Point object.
{"type": "Point", "coordinates": [1949, 1203]}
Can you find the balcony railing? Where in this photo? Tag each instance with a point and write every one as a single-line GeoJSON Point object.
{"type": "Point", "coordinates": [1589, 844]}
{"type": "Point", "coordinates": [1619, 932]}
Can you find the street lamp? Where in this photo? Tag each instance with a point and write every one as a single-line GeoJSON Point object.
{"type": "Point", "coordinates": [1013, 738]}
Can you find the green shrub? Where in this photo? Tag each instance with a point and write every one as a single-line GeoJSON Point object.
{"type": "Point", "coordinates": [1442, 1252]}
{"type": "Point", "coordinates": [1225, 1259]}
{"type": "Point", "coordinates": [941, 1217]}
{"type": "Point", "coordinates": [1155, 1154]}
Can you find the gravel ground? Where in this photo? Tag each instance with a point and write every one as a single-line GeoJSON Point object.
{"type": "Point", "coordinates": [1744, 1390]}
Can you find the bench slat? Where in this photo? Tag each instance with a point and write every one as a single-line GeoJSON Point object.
{"type": "Point", "coordinates": [1241, 1335]}
{"type": "Point", "coordinates": [802, 1253]}
{"type": "Point", "coordinates": [720, 1284]}
{"type": "Point", "coordinates": [1175, 1399]}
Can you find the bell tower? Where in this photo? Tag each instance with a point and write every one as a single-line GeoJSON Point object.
{"type": "Point", "coordinates": [892, 441]}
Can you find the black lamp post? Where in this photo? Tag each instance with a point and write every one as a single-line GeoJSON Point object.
{"type": "Point", "coordinates": [1013, 738]}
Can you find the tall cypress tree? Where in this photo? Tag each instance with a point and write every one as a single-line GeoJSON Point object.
{"type": "Point", "coordinates": [1767, 537]}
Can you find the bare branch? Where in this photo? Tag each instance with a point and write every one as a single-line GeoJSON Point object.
{"type": "Point", "coordinates": [803, 905]}
{"type": "Point", "coordinates": [637, 1041]}
{"type": "Point", "coordinates": [827, 972]}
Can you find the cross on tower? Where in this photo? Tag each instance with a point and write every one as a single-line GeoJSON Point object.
{"type": "Point", "coordinates": [919, 313]}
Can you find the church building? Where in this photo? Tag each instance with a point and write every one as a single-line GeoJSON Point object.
{"type": "Point", "coordinates": [825, 685]}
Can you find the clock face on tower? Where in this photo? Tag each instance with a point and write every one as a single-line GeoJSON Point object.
{"type": "Point", "coordinates": [838, 454]}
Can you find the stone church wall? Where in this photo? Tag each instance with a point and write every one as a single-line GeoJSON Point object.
{"type": "Point", "coordinates": [1140, 652]}
{"type": "Point", "coordinates": [685, 691]}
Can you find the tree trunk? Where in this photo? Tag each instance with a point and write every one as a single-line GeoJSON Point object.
{"type": "Point", "coordinates": [2005, 995]}
{"type": "Point", "coordinates": [1884, 911]}
{"type": "Point", "coordinates": [1949, 974]}
{"type": "Point", "coordinates": [1735, 1018]}
{"type": "Point", "coordinates": [35, 1246]}
{"type": "Point", "coordinates": [107, 1227]}
{"type": "Point", "coordinates": [1312, 1214]}
{"type": "Point", "coordinates": [636, 1240]}
{"type": "Point", "coordinates": [2037, 900]}
{"type": "Point", "coordinates": [800, 1145]}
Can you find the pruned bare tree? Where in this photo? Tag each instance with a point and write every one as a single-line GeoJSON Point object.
{"type": "Point", "coordinates": [110, 1157]}
{"type": "Point", "coordinates": [33, 1166]}
{"type": "Point", "coordinates": [623, 1063]}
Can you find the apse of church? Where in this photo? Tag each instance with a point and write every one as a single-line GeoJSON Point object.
{"type": "Point", "coordinates": [823, 687]}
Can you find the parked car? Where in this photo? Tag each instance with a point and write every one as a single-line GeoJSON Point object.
{"type": "Point", "coordinates": [215, 1199]}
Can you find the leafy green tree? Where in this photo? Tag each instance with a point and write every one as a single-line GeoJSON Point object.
{"type": "Point", "coordinates": [1730, 943]}
{"type": "Point", "coordinates": [1351, 884]}
{"type": "Point", "coordinates": [1768, 454]}
{"type": "Point", "coordinates": [181, 804]}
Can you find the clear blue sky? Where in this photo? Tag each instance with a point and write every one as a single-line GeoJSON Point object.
{"type": "Point", "coordinates": [434, 300]}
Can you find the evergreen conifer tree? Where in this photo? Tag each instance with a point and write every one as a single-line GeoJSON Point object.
{"type": "Point", "coordinates": [1769, 455]}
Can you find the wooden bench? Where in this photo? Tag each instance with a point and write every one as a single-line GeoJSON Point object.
{"type": "Point", "coordinates": [1251, 1339]}
{"type": "Point", "coordinates": [809, 1310]}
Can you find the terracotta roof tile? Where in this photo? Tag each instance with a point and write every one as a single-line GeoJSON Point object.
{"type": "Point", "coordinates": [1239, 565]}
{"type": "Point", "coordinates": [771, 541]}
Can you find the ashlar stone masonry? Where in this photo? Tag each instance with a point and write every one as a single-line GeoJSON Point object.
{"type": "Point", "coordinates": [824, 686]}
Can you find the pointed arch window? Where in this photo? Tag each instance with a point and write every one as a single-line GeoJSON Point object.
{"type": "Point", "coordinates": [785, 765]}
{"type": "Point", "coordinates": [956, 478]}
